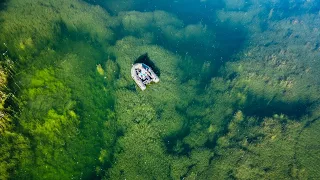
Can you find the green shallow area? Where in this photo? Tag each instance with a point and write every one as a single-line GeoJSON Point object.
{"type": "Point", "coordinates": [237, 98]}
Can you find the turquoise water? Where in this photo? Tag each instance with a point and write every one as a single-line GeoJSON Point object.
{"type": "Point", "coordinates": [237, 98]}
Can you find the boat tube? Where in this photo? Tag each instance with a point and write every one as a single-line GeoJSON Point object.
{"type": "Point", "coordinates": [143, 75]}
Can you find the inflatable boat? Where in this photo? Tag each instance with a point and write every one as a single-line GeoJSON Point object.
{"type": "Point", "coordinates": [143, 75]}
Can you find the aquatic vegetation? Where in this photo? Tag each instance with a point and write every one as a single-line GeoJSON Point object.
{"type": "Point", "coordinates": [145, 118]}
{"type": "Point", "coordinates": [136, 22]}
{"type": "Point", "coordinates": [271, 78]}
{"type": "Point", "coordinates": [77, 113]}
{"type": "Point", "coordinates": [167, 30]}
{"type": "Point", "coordinates": [54, 124]}
{"type": "Point", "coordinates": [14, 149]}
{"type": "Point", "coordinates": [52, 118]}
{"type": "Point", "coordinates": [190, 167]}
{"type": "Point", "coordinates": [112, 71]}
{"type": "Point", "coordinates": [139, 23]}
{"type": "Point", "coordinates": [251, 17]}
{"type": "Point", "coordinates": [6, 163]}
{"type": "Point", "coordinates": [235, 4]}
{"type": "Point", "coordinates": [247, 150]}
{"type": "Point", "coordinates": [274, 80]}
{"type": "Point", "coordinates": [140, 154]}
{"type": "Point", "coordinates": [100, 69]}
{"type": "Point", "coordinates": [115, 7]}
{"type": "Point", "coordinates": [276, 75]}
{"type": "Point", "coordinates": [14, 146]}
{"type": "Point", "coordinates": [306, 162]}
{"type": "Point", "coordinates": [43, 22]}
{"type": "Point", "coordinates": [63, 106]}
{"type": "Point", "coordinates": [4, 119]}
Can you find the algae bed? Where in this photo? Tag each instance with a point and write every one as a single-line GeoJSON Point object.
{"type": "Point", "coordinates": [238, 96]}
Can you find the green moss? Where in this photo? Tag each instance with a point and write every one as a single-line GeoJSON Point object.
{"type": "Point", "coordinates": [47, 20]}
{"type": "Point", "coordinates": [143, 155]}
{"type": "Point", "coordinates": [63, 107]}
{"type": "Point", "coordinates": [307, 149]}
{"type": "Point", "coordinates": [148, 118]}
{"type": "Point", "coordinates": [249, 153]}
{"type": "Point", "coordinates": [197, 137]}
{"type": "Point", "coordinates": [70, 124]}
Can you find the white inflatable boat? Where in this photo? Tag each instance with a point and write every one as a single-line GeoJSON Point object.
{"type": "Point", "coordinates": [143, 75]}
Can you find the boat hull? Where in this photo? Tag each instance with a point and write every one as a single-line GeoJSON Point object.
{"type": "Point", "coordinates": [143, 75]}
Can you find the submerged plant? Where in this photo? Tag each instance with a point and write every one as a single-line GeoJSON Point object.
{"type": "Point", "coordinates": [80, 115]}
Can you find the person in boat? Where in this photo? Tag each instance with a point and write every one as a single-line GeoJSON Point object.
{"type": "Point", "coordinates": [143, 75]}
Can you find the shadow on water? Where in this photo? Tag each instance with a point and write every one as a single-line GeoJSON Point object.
{"type": "Point", "coordinates": [74, 34]}
{"type": "Point", "coordinates": [229, 41]}
{"type": "Point", "coordinates": [216, 50]}
{"type": "Point", "coordinates": [174, 145]}
{"type": "Point", "coordinates": [208, 60]}
{"type": "Point", "coordinates": [3, 4]}
{"type": "Point", "coordinates": [146, 60]}
{"type": "Point", "coordinates": [190, 11]}
{"type": "Point", "coordinates": [261, 107]}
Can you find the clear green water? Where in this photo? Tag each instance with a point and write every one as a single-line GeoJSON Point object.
{"type": "Point", "coordinates": [238, 96]}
